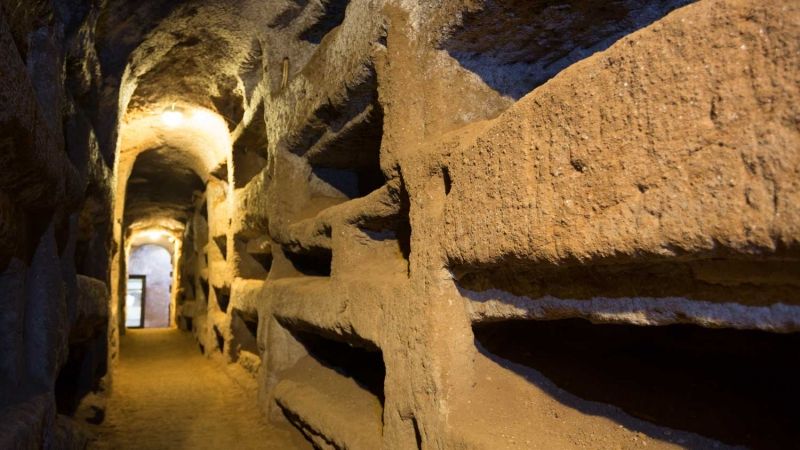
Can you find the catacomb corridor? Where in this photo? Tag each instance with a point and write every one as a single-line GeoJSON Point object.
{"type": "Point", "coordinates": [399, 224]}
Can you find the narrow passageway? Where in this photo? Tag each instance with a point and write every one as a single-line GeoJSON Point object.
{"type": "Point", "coordinates": [167, 395]}
{"type": "Point", "coordinates": [399, 224]}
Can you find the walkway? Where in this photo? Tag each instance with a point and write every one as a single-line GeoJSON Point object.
{"type": "Point", "coordinates": [167, 395]}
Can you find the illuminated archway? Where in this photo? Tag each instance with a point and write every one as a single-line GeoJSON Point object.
{"type": "Point", "coordinates": [167, 154]}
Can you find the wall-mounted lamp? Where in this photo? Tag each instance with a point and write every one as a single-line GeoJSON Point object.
{"type": "Point", "coordinates": [172, 117]}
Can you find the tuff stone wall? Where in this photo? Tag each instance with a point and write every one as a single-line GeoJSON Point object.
{"type": "Point", "coordinates": [54, 220]}
{"type": "Point", "coordinates": [414, 224]}
{"type": "Point", "coordinates": [441, 213]}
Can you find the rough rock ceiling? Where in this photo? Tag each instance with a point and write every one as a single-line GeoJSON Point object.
{"type": "Point", "coordinates": [180, 51]}
{"type": "Point", "coordinates": [210, 55]}
{"type": "Point", "coordinates": [161, 184]}
{"type": "Point", "coordinates": [187, 53]}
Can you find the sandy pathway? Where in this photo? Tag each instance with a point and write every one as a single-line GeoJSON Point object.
{"type": "Point", "coordinates": [169, 396]}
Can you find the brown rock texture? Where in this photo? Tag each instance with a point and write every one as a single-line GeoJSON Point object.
{"type": "Point", "coordinates": [55, 216]}
{"type": "Point", "coordinates": [451, 224]}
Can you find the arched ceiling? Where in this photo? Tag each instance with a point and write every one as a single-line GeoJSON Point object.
{"type": "Point", "coordinates": [164, 163]}
{"type": "Point", "coordinates": [205, 58]}
{"type": "Point", "coordinates": [202, 134]}
{"type": "Point", "coordinates": [181, 55]}
{"type": "Point", "coordinates": [181, 50]}
{"type": "Point", "coordinates": [161, 185]}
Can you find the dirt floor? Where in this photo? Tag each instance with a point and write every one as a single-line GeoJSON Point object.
{"type": "Point", "coordinates": [167, 395]}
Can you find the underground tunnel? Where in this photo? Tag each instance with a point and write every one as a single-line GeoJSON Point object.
{"type": "Point", "coordinates": [397, 224]}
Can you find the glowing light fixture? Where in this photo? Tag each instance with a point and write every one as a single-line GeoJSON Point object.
{"type": "Point", "coordinates": [154, 235]}
{"type": "Point", "coordinates": [172, 117]}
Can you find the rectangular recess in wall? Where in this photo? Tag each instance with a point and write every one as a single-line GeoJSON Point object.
{"type": "Point", "coordinates": [312, 262]}
{"type": "Point", "coordinates": [348, 158]}
{"type": "Point", "coordinates": [254, 255]}
{"type": "Point", "coordinates": [264, 260]}
{"type": "Point", "coordinates": [205, 288]}
{"type": "Point", "coordinates": [396, 227]}
{"type": "Point", "coordinates": [362, 364]}
{"type": "Point", "coordinates": [244, 327]}
{"type": "Point", "coordinates": [223, 296]}
{"type": "Point", "coordinates": [342, 143]}
{"type": "Point", "coordinates": [336, 391]}
{"type": "Point", "coordinates": [736, 386]}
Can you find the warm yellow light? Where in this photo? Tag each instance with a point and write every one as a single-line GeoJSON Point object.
{"type": "Point", "coordinates": [207, 120]}
{"type": "Point", "coordinates": [153, 235]}
{"type": "Point", "coordinates": [172, 118]}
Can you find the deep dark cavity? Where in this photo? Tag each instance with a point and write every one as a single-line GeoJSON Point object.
{"type": "Point", "coordinates": [250, 150]}
{"type": "Point", "coordinates": [244, 327]}
{"type": "Point", "coordinates": [204, 287]}
{"type": "Point", "coordinates": [713, 280]}
{"type": "Point", "coordinates": [312, 262]}
{"type": "Point", "coordinates": [362, 364]}
{"type": "Point", "coordinates": [223, 295]}
{"type": "Point", "coordinates": [448, 182]}
{"type": "Point", "coordinates": [343, 144]}
{"type": "Point", "coordinates": [86, 364]}
{"type": "Point", "coordinates": [736, 386]}
{"type": "Point", "coordinates": [332, 16]}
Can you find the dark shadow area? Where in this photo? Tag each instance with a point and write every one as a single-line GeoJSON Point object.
{"type": "Point", "coordinates": [223, 295]}
{"type": "Point", "coordinates": [263, 259]}
{"type": "Point", "coordinates": [363, 364]}
{"type": "Point", "coordinates": [447, 180]}
{"type": "Point", "coordinates": [250, 149]}
{"type": "Point", "coordinates": [354, 140]}
{"type": "Point", "coordinates": [344, 132]}
{"type": "Point", "coordinates": [331, 17]}
{"type": "Point", "coordinates": [517, 45]}
{"type": "Point", "coordinates": [719, 280]}
{"type": "Point", "coordinates": [397, 226]}
{"type": "Point", "coordinates": [220, 339]}
{"type": "Point", "coordinates": [93, 243]}
{"type": "Point", "coordinates": [204, 210]}
{"type": "Point", "coordinates": [404, 223]}
{"type": "Point", "coordinates": [185, 323]}
{"type": "Point", "coordinates": [86, 364]}
{"type": "Point", "coordinates": [351, 183]}
{"type": "Point", "coordinates": [738, 387]}
{"type": "Point", "coordinates": [222, 245]}
{"type": "Point", "coordinates": [244, 327]}
{"type": "Point", "coordinates": [313, 262]}
{"type": "Point", "coordinates": [345, 152]}
{"type": "Point", "coordinates": [254, 251]}
{"type": "Point", "coordinates": [204, 287]}
{"type": "Point", "coordinates": [161, 181]}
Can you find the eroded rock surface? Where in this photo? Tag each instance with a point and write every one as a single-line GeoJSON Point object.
{"type": "Point", "coordinates": [409, 224]}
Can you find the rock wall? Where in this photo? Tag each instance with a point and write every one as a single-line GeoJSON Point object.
{"type": "Point", "coordinates": [55, 222]}
{"type": "Point", "coordinates": [511, 224]}
{"type": "Point", "coordinates": [415, 224]}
